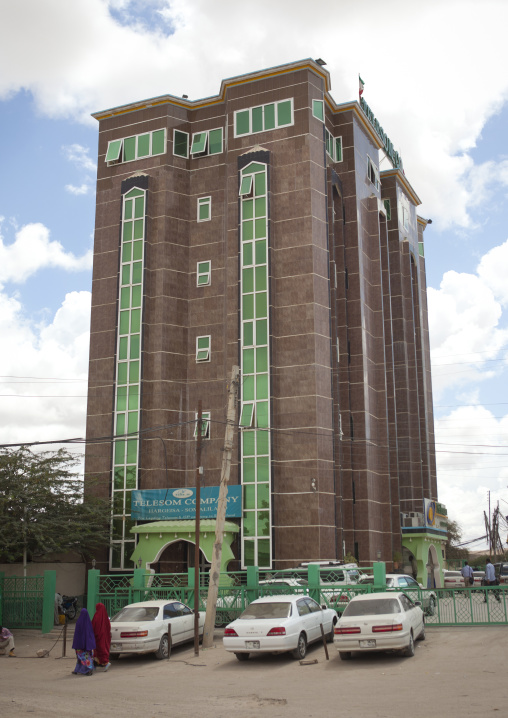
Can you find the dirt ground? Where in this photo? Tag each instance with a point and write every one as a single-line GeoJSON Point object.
{"type": "Point", "coordinates": [455, 672]}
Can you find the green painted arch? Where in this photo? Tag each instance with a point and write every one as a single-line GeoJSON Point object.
{"type": "Point", "coordinates": [154, 537]}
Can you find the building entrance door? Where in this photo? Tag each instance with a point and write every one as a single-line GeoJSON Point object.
{"type": "Point", "coordinates": [178, 557]}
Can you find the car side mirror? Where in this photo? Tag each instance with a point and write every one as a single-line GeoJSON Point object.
{"type": "Point", "coordinates": [324, 606]}
{"type": "Point", "coordinates": [418, 603]}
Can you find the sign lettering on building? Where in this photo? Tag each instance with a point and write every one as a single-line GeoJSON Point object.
{"type": "Point", "coordinates": [394, 156]}
{"type": "Point", "coordinates": [179, 504]}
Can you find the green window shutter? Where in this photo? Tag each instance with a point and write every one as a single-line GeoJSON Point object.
{"type": "Point", "coordinates": [114, 149]}
{"type": "Point", "coordinates": [198, 142]}
{"type": "Point", "coordinates": [388, 209]}
{"type": "Point", "coordinates": [246, 186]}
{"type": "Point", "coordinates": [269, 117]}
{"type": "Point", "coordinates": [204, 207]}
{"type": "Point", "coordinates": [129, 149]}
{"type": "Point", "coordinates": [143, 146]}
{"type": "Point", "coordinates": [338, 149]}
{"type": "Point", "coordinates": [284, 113]}
{"type": "Point", "coordinates": [180, 143]}
{"type": "Point", "coordinates": [215, 142]}
{"type": "Point", "coordinates": [318, 109]}
{"type": "Point", "coordinates": [246, 417]}
{"type": "Point", "coordinates": [158, 143]}
{"type": "Point", "coordinates": [257, 119]}
{"type": "Point", "coordinates": [242, 123]}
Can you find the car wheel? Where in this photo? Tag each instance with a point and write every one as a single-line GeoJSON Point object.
{"type": "Point", "coordinates": [421, 637]}
{"type": "Point", "coordinates": [301, 649]}
{"type": "Point", "coordinates": [114, 656]}
{"type": "Point", "coordinates": [345, 655]}
{"type": "Point", "coordinates": [329, 636]}
{"type": "Point", "coordinates": [164, 648]}
{"type": "Point", "coordinates": [432, 606]}
{"type": "Point", "coordinates": [242, 656]}
{"type": "Point", "coordinates": [410, 650]}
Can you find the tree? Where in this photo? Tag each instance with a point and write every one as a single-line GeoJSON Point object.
{"type": "Point", "coordinates": [42, 509]}
{"type": "Point", "coordinates": [454, 536]}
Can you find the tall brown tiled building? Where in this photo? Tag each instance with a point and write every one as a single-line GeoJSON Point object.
{"type": "Point", "coordinates": [257, 228]}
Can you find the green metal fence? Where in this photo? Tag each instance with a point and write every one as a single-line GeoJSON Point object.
{"type": "Point", "coordinates": [22, 601]}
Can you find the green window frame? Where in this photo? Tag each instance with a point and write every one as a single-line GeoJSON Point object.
{"type": "Point", "coordinates": [204, 209]}
{"type": "Point", "coordinates": [388, 209]}
{"type": "Point", "coordinates": [129, 149]}
{"type": "Point", "coordinates": [333, 146]}
{"type": "Point", "coordinates": [338, 149]}
{"type": "Point", "coordinates": [206, 418]}
{"type": "Point", "coordinates": [181, 143]}
{"type": "Point", "coordinates": [204, 274]}
{"type": "Point", "coordinates": [318, 110]}
{"type": "Point", "coordinates": [263, 118]}
{"type": "Point", "coordinates": [203, 348]}
{"type": "Point", "coordinates": [246, 186]}
{"type": "Point", "coordinates": [207, 142]}
{"type": "Point", "coordinates": [372, 172]}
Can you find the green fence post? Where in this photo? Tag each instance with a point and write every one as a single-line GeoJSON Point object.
{"type": "Point", "coordinates": [379, 570]}
{"type": "Point", "coordinates": [2, 576]}
{"type": "Point", "coordinates": [93, 590]}
{"type": "Point", "coordinates": [314, 578]}
{"type": "Point", "coordinates": [252, 583]}
{"type": "Point", "coordinates": [138, 584]}
{"type": "Point", "coordinates": [191, 585]}
{"type": "Point", "coordinates": [48, 601]}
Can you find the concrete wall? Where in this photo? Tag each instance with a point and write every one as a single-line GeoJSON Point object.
{"type": "Point", "coordinates": [70, 577]}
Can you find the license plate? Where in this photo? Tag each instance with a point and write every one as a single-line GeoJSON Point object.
{"type": "Point", "coordinates": [251, 644]}
{"type": "Point", "coordinates": [368, 644]}
{"type": "Point", "coordinates": [115, 646]}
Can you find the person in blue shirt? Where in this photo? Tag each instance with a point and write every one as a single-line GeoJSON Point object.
{"type": "Point", "coordinates": [467, 573]}
{"type": "Point", "coordinates": [490, 579]}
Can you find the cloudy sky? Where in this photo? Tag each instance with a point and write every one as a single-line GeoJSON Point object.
{"type": "Point", "coordinates": [435, 76]}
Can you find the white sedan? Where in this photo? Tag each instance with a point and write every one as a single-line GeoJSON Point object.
{"type": "Point", "coordinates": [276, 624]}
{"type": "Point", "coordinates": [143, 627]}
{"type": "Point", "coordinates": [380, 622]}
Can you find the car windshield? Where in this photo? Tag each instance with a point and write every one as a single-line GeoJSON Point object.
{"type": "Point", "coordinates": [267, 610]}
{"type": "Point", "coordinates": [376, 607]}
{"type": "Point", "coordinates": [136, 613]}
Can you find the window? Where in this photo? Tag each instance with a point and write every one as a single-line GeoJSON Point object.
{"type": "Point", "coordinates": [207, 143]}
{"type": "Point", "coordinates": [247, 415]}
{"type": "Point", "coordinates": [388, 209]}
{"type": "Point", "coordinates": [372, 173]}
{"type": "Point", "coordinates": [133, 148]}
{"type": "Point", "coordinates": [318, 109]}
{"type": "Point", "coordinates": [246, 187]}
{"type": "Point", "coordinates": [205, 425]}
{"type": "Point", "coordinates": [203, 349]}
{"type": "Point", "coordinates": [264, 118]}
{"type": "Point", "coordinates": [204, 274]}
{"type": "Point", "coordinates": [180, 143]}
{"type": "Point", "coordinates": [333, 146]}
{"type": "Point", "coordinates": [204, 209]}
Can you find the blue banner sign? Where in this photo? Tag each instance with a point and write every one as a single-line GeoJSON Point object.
{"type": "Point", "coordinates": [178, 504]}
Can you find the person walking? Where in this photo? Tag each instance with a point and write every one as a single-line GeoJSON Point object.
{"type": "Point", "coordinates": [102, 631]}
{"type": "Point", "coordinates": [7, 641]}
{"type": "Point", "coordinates": [467, 573]}
{"type": "Point", "coordinates": [84, 644]}
{"type": "Point", "coordinates": [490, 579]}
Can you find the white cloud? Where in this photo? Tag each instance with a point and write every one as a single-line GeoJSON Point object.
{"type": "Point", "coordinates": [493, 270]}
{"type": "Point", "coordinates": [79, 156]}
{"type": "Point", "coordinates": [82, 189]}
{"type": "Point", "coordinates": [32, 251]}
{"type": "Point", "coordinates": [433, 105]}
{"type": "Point", "coordinates": [472, 452]}
{"type": "Point", "coordinates": [45, 371]}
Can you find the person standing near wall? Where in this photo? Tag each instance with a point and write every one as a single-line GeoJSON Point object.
{"type": "Point", "coordinates": [7, 641]}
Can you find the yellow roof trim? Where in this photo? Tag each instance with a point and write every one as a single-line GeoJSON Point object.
{"type": "Point", "coordinates": [401, 177]}
{"type": "Point", "coordinates": [225, 84]}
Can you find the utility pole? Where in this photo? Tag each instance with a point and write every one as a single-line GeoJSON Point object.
{"type": "Point", "coordinates": [199, 438]}
{"type": "Point", "coordinates": [213, 586]}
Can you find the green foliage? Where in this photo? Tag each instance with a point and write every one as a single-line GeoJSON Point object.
{"type": "Point", "coordinates": [454, 537]}
{"type": "Point", "coordinates": [42, 509]}
{"type": "Point", "coordinates": [349, 558]}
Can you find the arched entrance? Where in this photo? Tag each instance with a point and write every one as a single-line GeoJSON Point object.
{"type": "Point", "coordinates": [177, 557]}
{"type": "Point", "coordinates": [433, 570]}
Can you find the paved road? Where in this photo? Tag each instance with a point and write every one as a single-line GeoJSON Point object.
{"type": "Point", "coordinates": [455, 672]}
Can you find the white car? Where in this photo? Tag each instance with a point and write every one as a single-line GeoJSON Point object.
{"type": "Point", "coordinates": [276, 624]}
{"type": "Point", "coordinates": [401, 581]}
{"type": "Point", "coordinates": [453, 579]}
{"type": "Point", "coordinates": [143, 627]}
{"type": "Point", "coordinates": [379, 622]}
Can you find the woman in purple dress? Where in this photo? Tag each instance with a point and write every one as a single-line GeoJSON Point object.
{"type": "Point", "coordinates": [84, 644]}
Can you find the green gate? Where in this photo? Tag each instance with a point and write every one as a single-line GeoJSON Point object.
{"type": "Point", "coordinates": [22, 601]}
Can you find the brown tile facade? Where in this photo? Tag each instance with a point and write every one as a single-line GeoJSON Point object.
{"type": "Point", "coordinates": [352, 439]}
